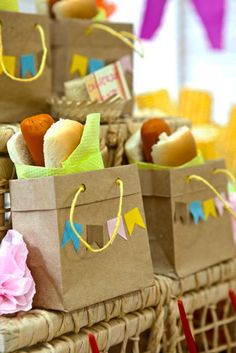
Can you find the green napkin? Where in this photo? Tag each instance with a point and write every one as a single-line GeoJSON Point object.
{"type": "Point", "coordinates": [9, 5]}
{"type": "Point", "coordinates": [86, 157]}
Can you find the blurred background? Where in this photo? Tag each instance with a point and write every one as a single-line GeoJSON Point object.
{"type": "Point", "coordinates": [189, 66]}
{"type": "Point", "coordinates": [188, 69]}
{"type": "Point", "coordinates": [179, 53]}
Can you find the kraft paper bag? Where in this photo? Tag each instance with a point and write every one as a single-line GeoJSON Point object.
{"type": "Point", "coordinates": [77, 51]}
{"type": "Point", "coordinates": [189, 229]}
{"type": "Point", "coordinates": [22, 50]}
{"type": "Point", "coordinates": [66, 278]}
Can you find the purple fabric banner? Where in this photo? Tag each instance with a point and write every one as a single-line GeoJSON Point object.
{"type": "Point", "coordinates": [211, 13]}
{"type": "Point", "coordinates": [152, 18]}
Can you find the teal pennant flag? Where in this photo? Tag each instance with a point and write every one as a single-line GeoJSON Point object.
{"type": "Point", "coordinates": [70, 235]}
{"type": "Point", "coordinates": [95, 64]}
{"type": "Point", "coordinates": [27, 64]}
{"type": "Point", "coordinates": [196, 210]}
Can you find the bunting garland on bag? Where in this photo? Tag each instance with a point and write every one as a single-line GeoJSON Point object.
{"type": "Point", "coordinates": [95, 64]}
{"type": "Point", "coordinates": [79, 64]}
{"type": "Point", "coordinates": [82, 65]}
{"type": "Point", "coordinates": [126, 63]}
{"type": "Point", "coordinates": [209, 208]}
{"type": "Point", "coordinates": [111, 223]}
{"type": "Point", "coordinates": [200, 210]}
{"type": "Point", "coordinates": [132, 218]}
{"type": "Point", "coordinates": [27, 64]}
{"type": "Point", "coordinates": [196, 210]}
{"type": "Point", "coordinates": [219, 204]}
{"type": "Point", "coordinates": [10, 63]}
{"type": "Point", "coordinates": [69, 235]}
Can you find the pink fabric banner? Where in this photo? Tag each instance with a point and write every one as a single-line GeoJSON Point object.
{"type": "Point", "coordinates": [211, 13]}
{"type": "Point", "coordinates": [152, 18]}
{"type": "Point", "coordinates": [111, 224]}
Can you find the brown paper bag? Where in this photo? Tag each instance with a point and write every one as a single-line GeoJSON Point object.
{"type": "Point", "coordinates": [66, 279]}
{"type": "Point", "coordinates": [69, 37]}
{"type": "Point", "coordinates": [20, 37]}
{"type": "Point", "coordinates": [180, 247]}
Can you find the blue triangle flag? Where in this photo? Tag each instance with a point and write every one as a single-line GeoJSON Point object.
{"type": "Point", "coordinates": [27, 64]}
{"type": "Point", "coordinates": [95, 64]}
{"type": "Point", "coordinates": [70, 235]}
{"type": "Point", "coordinates": [195, 209]}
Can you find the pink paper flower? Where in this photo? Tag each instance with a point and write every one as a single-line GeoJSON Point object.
{"type": "Point", "coordinates": [17, 287]}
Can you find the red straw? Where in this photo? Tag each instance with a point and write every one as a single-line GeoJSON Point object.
{"type": "Point", "coordinates": [93, 343]}
{"type": "Point", "coordinates": [232, 296]}
{"type": "Point", "coordinates": [187, 332]}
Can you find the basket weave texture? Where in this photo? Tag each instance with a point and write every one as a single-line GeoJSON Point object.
{"type": "Point", "coordinates": [145, 321]}
{"type": "Point", "coordinates": [5, 222]}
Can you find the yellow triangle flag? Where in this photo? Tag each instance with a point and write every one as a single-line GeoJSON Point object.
{"type": "Point", "coordinates": [209, 208]}
{"type": "Point", "coordinates": [79, 64]}
{"type": "Point", "coordinates": [133, 217]}
{"type": "Point", "coordinates": [10, 64]}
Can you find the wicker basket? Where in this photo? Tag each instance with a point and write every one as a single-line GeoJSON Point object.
{"type": "Point", "coordinates": [113, 138]}
{"type": "Point", "coordinates": [7, 171]}
{"type": "Point", "coordinates": [147, 320]}
{"type": "Point", "coordinates": [110, 110]}
{"type": "Point", "coordinates": [5, 220]}
{"type": "Point", "coordinates": [209, 310]}
{"type": "Point", "coordinates": [40, 329]}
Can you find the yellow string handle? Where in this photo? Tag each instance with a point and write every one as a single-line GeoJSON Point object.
{"type": "Point", "coordinates": [226, 172]}
{"type": "Point", "coordinates": [126, 37]}
{"type": "Point", "coordinates": [204, 181]}
{"type": "Point", "coordinates": [43, 62]}
{"type": "Point", "coordinates": [72, 210]}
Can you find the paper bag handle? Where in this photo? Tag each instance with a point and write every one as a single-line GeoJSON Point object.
{"type": "Point", "coordinates": [43, 62]}
{"type": "Point", "coordinates": [126, 37]}
{"type": "Point", "coordinates": [204, 181]}
{"type": "Point", "coordinates": [226, 172]}
{"type": "Point", "coordinates": [82, 188]}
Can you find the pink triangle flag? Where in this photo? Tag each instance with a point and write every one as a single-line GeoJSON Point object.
{"type": "Point", "coordinates": [111, 224]}
{"type": "Point", "coordinates": [219, 204]}
{"type": "Point", "coordinates": [126, 63]}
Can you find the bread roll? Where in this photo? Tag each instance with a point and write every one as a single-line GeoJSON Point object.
{"type": "Point", "coordinates": [75, 9]}
{"type": "Point", "coordinates": [33, 130]}
{"type": "Point", "coordinates": [76, 90]}
{"type": "Point", "coordinates": [150, 132]}
{"type": "Point", "coordinates": [176, 149]}
{"type": "Point", "coordinates": [134, 148]}
{"type": "Point", "coordinates": [60, 141]}
{"type": "Point", "coordinates": [18, 150]}
{"type": "Point", "coordinates": [6, 132]}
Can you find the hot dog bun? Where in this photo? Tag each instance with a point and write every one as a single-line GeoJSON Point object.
{"type": "Point", "coordinates": [176, 149]}
{"type": "Point", "coordinates": [75, 9]}
{"type": "Point", "coordinates": [18, 150]}
{"type": "Point", "coordinates": [60, 141]}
